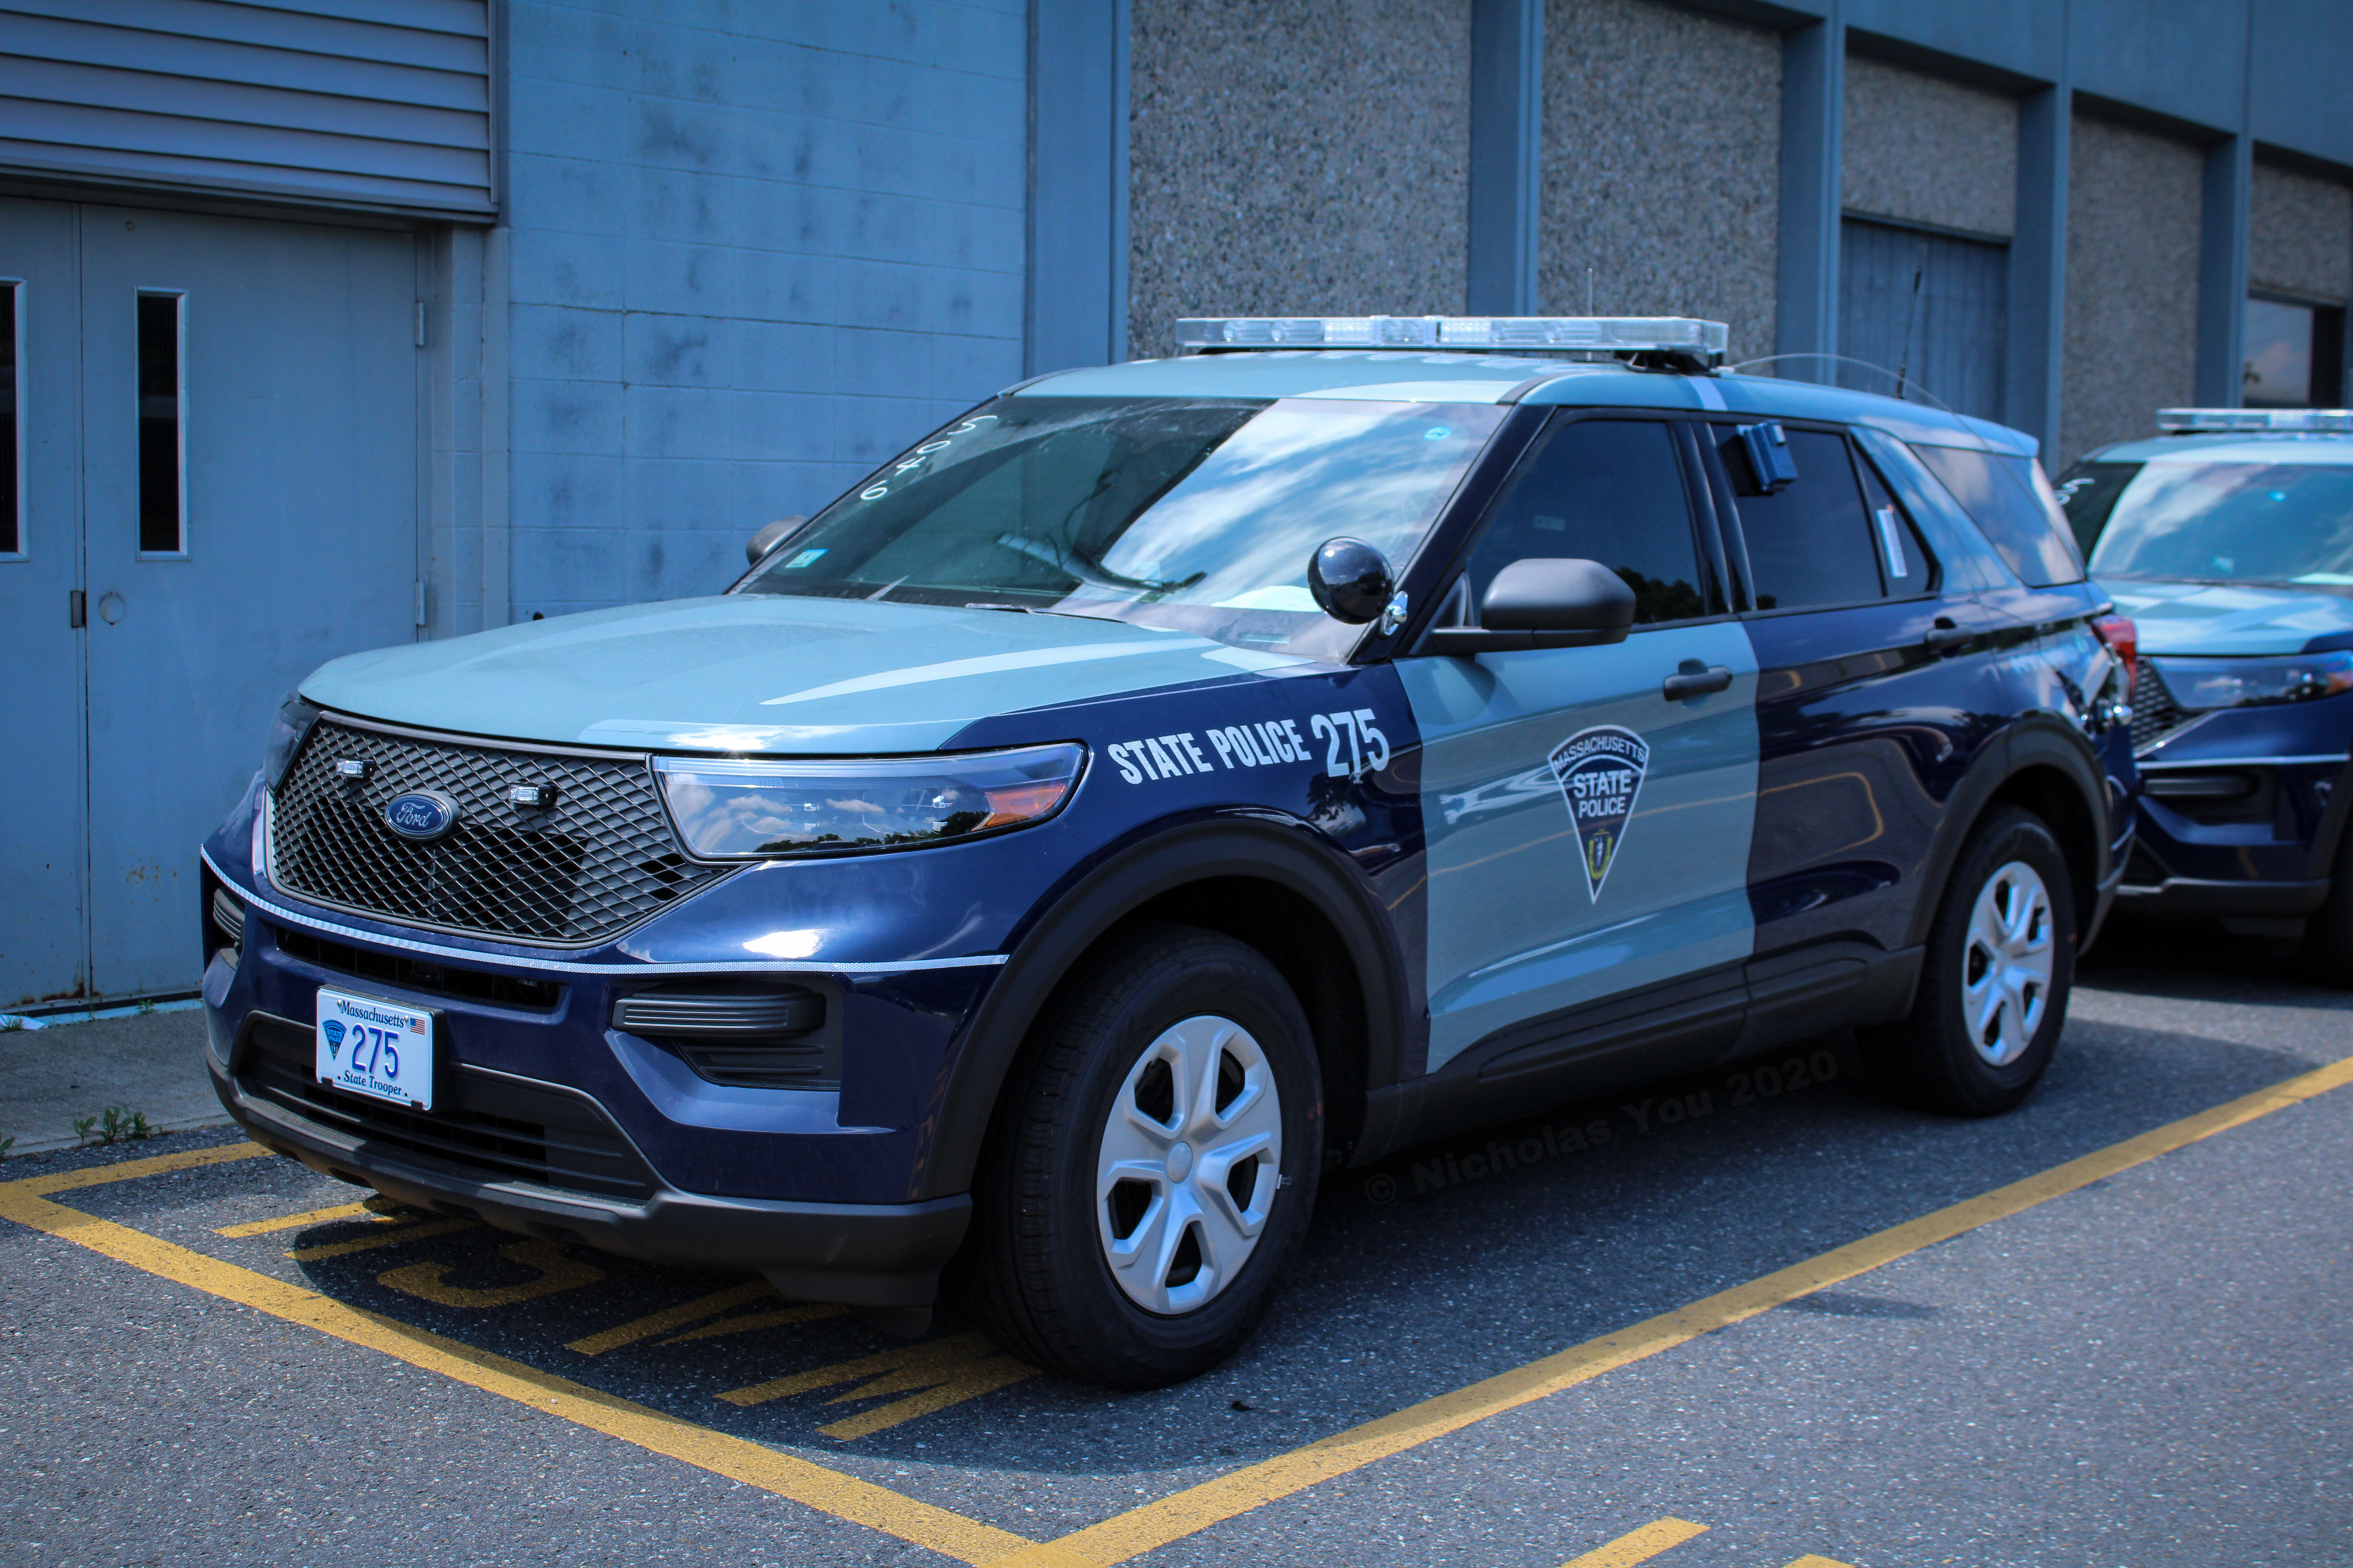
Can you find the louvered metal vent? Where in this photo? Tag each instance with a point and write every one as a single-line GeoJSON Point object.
{"type": "Point", "coordinates": [583, 870]}
{"type": "Point", "coordinates": [2156, 715]}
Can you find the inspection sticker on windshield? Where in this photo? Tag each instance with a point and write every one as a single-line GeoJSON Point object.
{"type": "Point", "coordinates": [1600, 773]}
{"type": "Point", "coordinates": [381, 1049]}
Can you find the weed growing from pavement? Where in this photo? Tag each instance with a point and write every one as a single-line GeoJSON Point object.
{"type": "Point", "coordinates": [7, 1144]}
{"type": "Point", "coordinates": [146, 1006]}
{"type": "Point", "coordinates": [11, 1023]}
{"type": "Point", "coordinates": [116, 1124]}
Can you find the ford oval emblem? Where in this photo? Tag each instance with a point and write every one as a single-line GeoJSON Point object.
{"type": "Point", "coordinates": [423, 814]}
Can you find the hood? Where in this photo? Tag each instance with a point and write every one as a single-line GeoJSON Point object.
{"type": "Point", "coordinates": [756, 673]}
{"type": "Point", "coordinates": [2229, 618]}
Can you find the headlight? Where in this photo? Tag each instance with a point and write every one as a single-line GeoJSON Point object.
{"type": "Point", "coordinates": [736, 810]}
{"type": "Point", "coordinates": [294, 719]}
{"type": "Point", "coordinates": [2203, 683]}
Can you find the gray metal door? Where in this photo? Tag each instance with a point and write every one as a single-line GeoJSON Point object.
{"type": "Point", "coordinates": [247, 400]}
{"type": "Point", "coordinates": [44, 952]}
{"type": "Point", "coordinates": [1934, 306]}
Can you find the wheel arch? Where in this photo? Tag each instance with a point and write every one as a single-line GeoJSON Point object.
{"type": "Point", "coordinates": [1275, 885]}
{"type": "Point", "coordinates": [2044, 765]}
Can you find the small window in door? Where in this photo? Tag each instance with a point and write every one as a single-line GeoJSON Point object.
{"type": "Point", "coordinates": [162, 434]}
{"type": "Point", "coordinates": [11, 435]}
{"type": "Point", "coordinates": [1810, 543]}
{"type": "Point", "coordinates": [1601, 489]}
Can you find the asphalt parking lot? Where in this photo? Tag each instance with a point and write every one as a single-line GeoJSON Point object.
{"type": "Point", "coordinates": [1753, 1319]}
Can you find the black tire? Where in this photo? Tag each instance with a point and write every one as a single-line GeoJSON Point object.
{"type": "Point", "coordinates": [2325, 956]}
{"type": "Point", "coordinates": [1035, 1268]}
{"type": "Point", "coordinates": [1932, 1057]}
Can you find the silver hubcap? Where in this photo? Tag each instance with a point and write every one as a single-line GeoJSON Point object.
{"type": "Point", "coordinates": [1191, 1162]}
{"type": "Point", "coordinates": [2006, 971]}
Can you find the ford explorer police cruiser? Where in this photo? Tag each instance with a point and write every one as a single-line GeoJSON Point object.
{"type": "Point", "coordinates": [1170, 782]}
{"type": "Point", "coordinates": [2228, 539]}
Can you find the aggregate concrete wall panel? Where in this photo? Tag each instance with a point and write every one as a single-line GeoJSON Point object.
{"type": "Point", "coordinates": [2300, 236]}
{"type": "Point", "coordinates": [1662, 163]}
{"type": "Point", "coordinates": [1304, 159]}
{"type": "Point", "coordinates": [753, 251]}
{"type": "Point", "coordinates": [1922, 150]}
{"type": "Point", "coordinates": [2132, 284]}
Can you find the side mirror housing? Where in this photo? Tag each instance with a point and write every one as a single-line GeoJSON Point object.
{"type": "Point", "coordinates": [1351, 580]}
{"type": "Point", "coordinates": [775, 533]}
{"type": "Point", "coordinates": [1537, 603]}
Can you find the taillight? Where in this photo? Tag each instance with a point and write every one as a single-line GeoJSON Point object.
{"type": "Point", "coordinates": [2122, 639]}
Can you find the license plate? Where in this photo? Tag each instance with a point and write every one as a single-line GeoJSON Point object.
{"type": "Point", "coordinates": [381, 1049]}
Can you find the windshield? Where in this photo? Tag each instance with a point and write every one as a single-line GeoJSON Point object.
{"type": "Point", "coordinates": [2183, 519]}
{"type": "Point", "coordinates": [1194, 514]}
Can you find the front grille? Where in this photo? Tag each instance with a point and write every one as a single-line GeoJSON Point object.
{"type": "Point", "coordinates": [582, 871]}
{"type": "Point", "coordinates": [493, 1128]}
{"type": "Point", "coordinates": [420, 974]}
{"type": "Point", "coordinates": [2156, 714]}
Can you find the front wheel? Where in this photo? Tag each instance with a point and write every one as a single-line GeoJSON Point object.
{"type": "Point", "coordinates": [1994, 982]}
{"type": "Point", "coordinates": [1152, 1165]}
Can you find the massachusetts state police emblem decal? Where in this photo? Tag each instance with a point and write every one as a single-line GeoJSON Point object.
{"type": "Point", "coordinates": [1600, 773]}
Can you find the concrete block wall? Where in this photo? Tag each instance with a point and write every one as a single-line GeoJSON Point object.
{"type": "Point", "coordinates": [2300, 236]}
{"type": "Point", "coordinates": [1661, 166]}
{"type": "Point", "coordinates": [1305, 158]}
{"type": "Point", "coordinates": [752, 251]}
{"type": "Point", "coordinates": [2132, 212]}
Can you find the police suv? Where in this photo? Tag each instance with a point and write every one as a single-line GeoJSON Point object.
{"type": "Point", "coordinates": [1171, 782]}
{"type": "Point", "coordinates": [2229, 539]}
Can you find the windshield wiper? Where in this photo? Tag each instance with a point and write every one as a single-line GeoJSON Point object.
{"type": "Point", "coordinates": [1091, 574]}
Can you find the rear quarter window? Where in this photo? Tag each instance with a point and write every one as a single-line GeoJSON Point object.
{"type": "Point", "coordinates": [2012, 504]}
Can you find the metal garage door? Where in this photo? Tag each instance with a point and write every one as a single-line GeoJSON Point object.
{"type": "Point", "coordinates": [1934, 306]}
{"type": "Point", "coordinates": [221, 459]}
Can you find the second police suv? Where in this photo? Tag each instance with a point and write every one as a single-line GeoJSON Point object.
{"type": "Point", "coordinates": [1174, 781]}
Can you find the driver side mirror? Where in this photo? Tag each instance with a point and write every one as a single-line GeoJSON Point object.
{"type": "Point", "coordinates": [775, 533]}
{"type": "Point", "coordinates": [1536, 603]}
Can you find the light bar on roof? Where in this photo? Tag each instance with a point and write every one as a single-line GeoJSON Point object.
{"type": "Point", "coordinates": [2186, 421]}
{"type": "Point", "coordinates": [1609, 334]}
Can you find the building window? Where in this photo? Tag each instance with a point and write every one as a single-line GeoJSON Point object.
{"type": "Point", "coordinates": [2294, 354]}
{"type": "Point", "coordinates": [163, 424]}
{"type": "Point", "coordinates": [12, 426]}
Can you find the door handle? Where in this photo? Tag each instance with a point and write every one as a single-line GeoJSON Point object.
{"type": "Point", "coordinates": [1944, 634]}
{"type": "Point", "coordinates": [1696, 682]}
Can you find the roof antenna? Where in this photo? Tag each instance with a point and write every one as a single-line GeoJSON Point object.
{"type": "Point", "coordinates": [1911, 317]}
{"type": "Point", "coordinates": [1589, 290]}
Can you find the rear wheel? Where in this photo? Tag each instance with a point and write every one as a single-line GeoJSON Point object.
{"type": "Point", "coordinates": [1994, 982]}
{"type": "Point", "coordinates": [1152, 1165]}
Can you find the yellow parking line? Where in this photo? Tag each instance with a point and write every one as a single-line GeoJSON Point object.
{"type": "Point", "coordinates": [1164, 1519]}
{"type": "Point", "coordinates": [1810, 1560]}
{"type": "Point", "coordinates": [291, 1221]}
{"type": "Point", "coordinates": [398, 1236]}
{"type": "Point", "coordinates": [754, 1464]}
{"type": "Point", "coordinates": [1639, 1545]}
{"type": "Point", "coordinates": [685, 1312]}
{"type": "Point", "coordinates": [132, 1170]}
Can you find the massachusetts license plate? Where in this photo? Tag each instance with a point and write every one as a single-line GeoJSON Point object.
{"type": "Point", "coordinates": [381, 1049]}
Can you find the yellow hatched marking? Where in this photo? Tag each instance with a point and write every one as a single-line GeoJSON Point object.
{"type": "Point", "coordinates": [754, 1463]}
{"type": "Point", "coordinates": [805, 1312]}
{"type": "Point", "coordinates": [400, 1235]}
{"type": "Point", "coordinates": [935, 1375]}
{"type": "Point", "coordinates": [552, 1271]}
{"type": "Point", "coordinates": [668, 1317]}
{"type": "Point", "coordinates": [385, 1210]}
{"type": "Point", "coordinates": [1639, 1545]}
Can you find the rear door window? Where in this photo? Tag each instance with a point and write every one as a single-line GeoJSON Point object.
{"type": "Point", "coordinates": [1601, 489]}
{"type": "Point", "coordinates": [1811, 543]}
{"type": "Point", "coordinates": [2014, 507]}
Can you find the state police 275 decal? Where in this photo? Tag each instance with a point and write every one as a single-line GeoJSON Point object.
{"type": "Point", "coordinates": [1600, 773]}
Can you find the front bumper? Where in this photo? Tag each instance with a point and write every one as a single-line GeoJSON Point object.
{"type": "Point", "coordinates": [882, 1255]}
